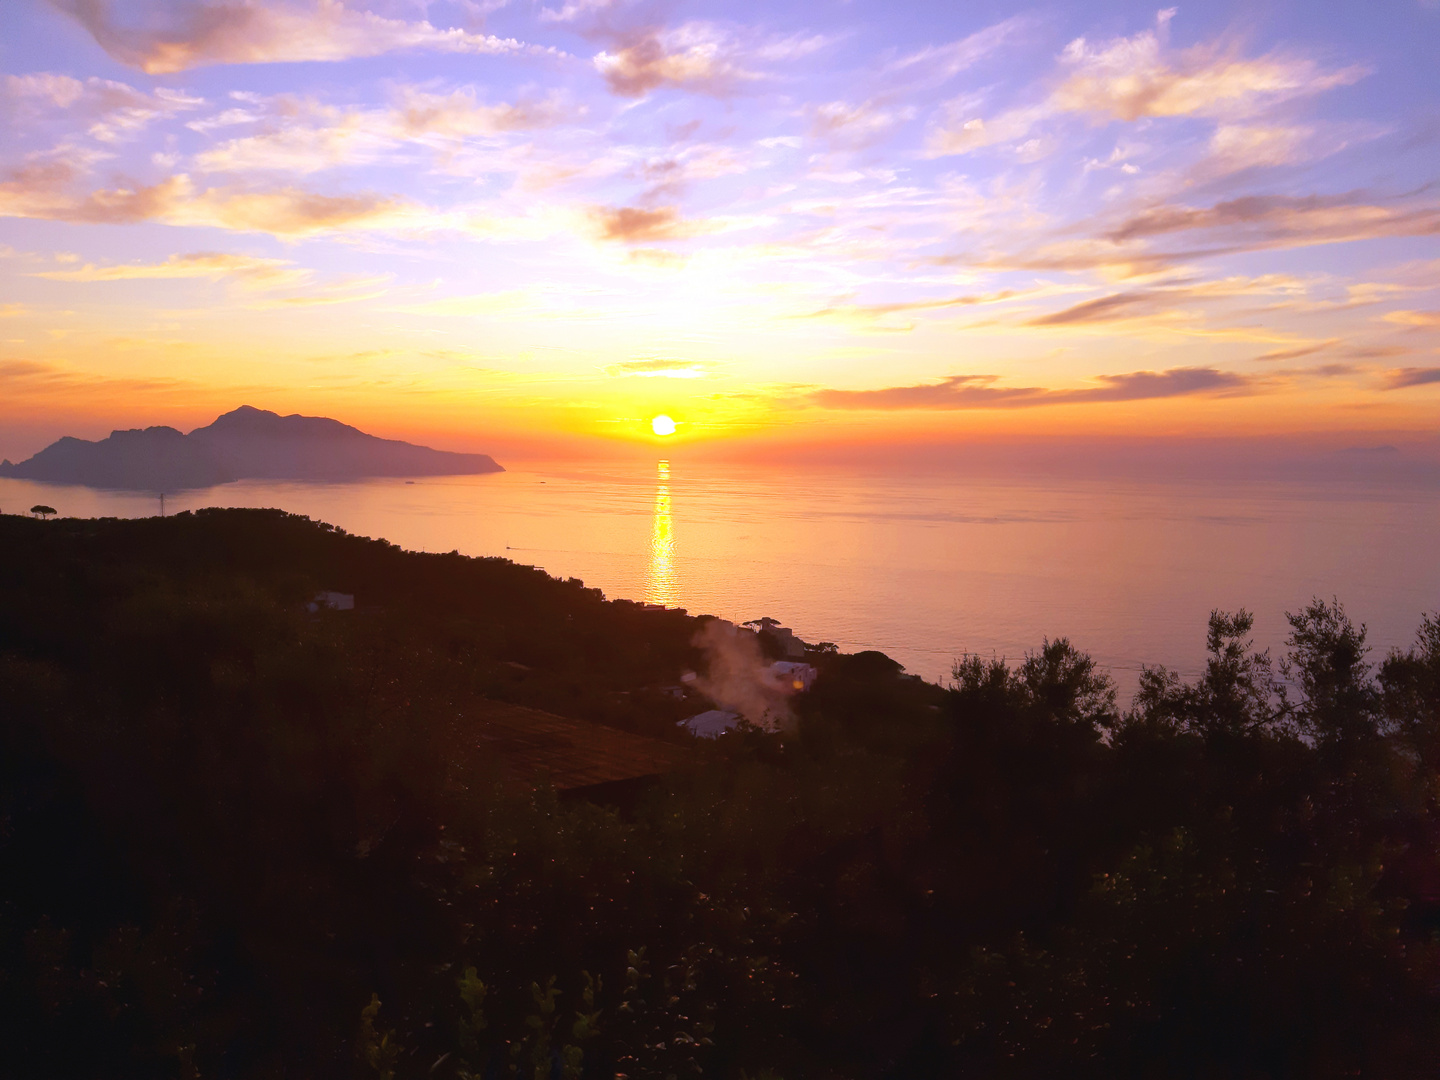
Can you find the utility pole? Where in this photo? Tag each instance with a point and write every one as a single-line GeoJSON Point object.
{"type": "Point", "coordinates": [162, 504]}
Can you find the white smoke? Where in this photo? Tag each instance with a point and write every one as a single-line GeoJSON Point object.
{"type": "Point", "coordinates": [737, 676]}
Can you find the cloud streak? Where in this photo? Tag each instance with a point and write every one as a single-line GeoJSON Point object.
{"type": "Point", "coordinates": [1418, 320]}
{"type": "Point", "coordinates": [640, 225]}
{"type": "Point", "coordinates": [659, 367]}
{"type": "Point", "coordinates": [873, 312]}
{"type": "Point", "coordinates": [1415, 376]}
{"type": "Point", "coordinates": [1102, 309]}
{"type": "Point", "coordinates": [40, 191]}
{"type": "Point", "coordinates": [304, 136]}
{"type": "Point", "coordinates": [1129, 79]}
{"type": "Point", "coordinates": [114, 110]}
{"type": "Point", "coordinates": [1170, 300]}
{"type": "Point", "coordinates": [265, 32]}
{"type": "Point", "coordinates": [1277, 220]}
{"type": "Point", "coordinates": [1136, 78]}
{"type": "Point", "coordinates": [981, 391]}
{"type": "Point", "coordinates": [206, 264]}
{"type": "Point", "coordinates": [692, 57]}
{"type": "Point", "coordinates": [776, 188]}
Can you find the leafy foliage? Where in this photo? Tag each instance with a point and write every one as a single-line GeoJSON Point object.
{"type": "Point", "coordinates": [230, 829]}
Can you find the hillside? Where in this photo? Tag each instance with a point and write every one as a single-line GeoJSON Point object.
{"type": "Point", "coordinates": [243, 838]}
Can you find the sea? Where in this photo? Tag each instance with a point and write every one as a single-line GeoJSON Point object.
{"type": "Point", "coordinates": [926, 567]}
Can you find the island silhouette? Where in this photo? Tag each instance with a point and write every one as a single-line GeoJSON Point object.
{"type": "Point", "coordinates": [244, 444]}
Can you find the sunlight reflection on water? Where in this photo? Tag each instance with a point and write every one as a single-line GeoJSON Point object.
{"type": "Point", "coordinates": [661, 586]}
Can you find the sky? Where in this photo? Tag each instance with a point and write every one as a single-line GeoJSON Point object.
{"type": "Point", "coordinates": [531, 225]}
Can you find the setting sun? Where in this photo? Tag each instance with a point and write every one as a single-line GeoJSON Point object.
{"type": "Point", "coordinates": [662, 425]}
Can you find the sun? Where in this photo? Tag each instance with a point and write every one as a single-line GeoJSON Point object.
{"type": "Point", "coordinates": [662, 425]}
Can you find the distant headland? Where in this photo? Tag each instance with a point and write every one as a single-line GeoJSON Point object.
{"type": "Point", "coordinates": [245, 444]}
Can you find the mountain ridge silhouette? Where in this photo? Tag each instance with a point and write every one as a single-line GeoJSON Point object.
{"type": "Point", "coordinates": [245, 443]}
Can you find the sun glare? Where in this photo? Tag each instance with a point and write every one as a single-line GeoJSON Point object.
{"type": "Point", "coordinates": [662, 425]}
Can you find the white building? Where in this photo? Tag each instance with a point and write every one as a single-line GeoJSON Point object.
{"type": "Point", "coordinates": [793, 675]}
{"type": "Point", "coordinates": [334, 601]}
{"type": "Point", "coordinates": [712, 724]}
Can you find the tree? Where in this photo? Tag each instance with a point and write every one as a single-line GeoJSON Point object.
{"type": "Point", "coordinates": [1234, 696]}
{"type": "Point", "coordinates": [1327, 665]}
{"type": "Point", "coordinates": [1065, 685]}
{"type": "Point", "coordinates": [40, 510]}
{"type": "Point", "coordinates": [1410, 685]}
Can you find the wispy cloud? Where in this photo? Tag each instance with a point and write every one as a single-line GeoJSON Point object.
{"type": "Point", "coordinates": [936, 64]}
{"type": "Point", "coordinates": [1271, 220]}
{"type": "Point", "coordinates": [269, 273]}
{"type": "Point", "coordinates": [41, 190]}
{"type": "Point", "coordinates": [849, 312]}
{"type": "Point", "coordinates": [1134, 78]}
{"type": "Point", "coordinates": [1152, 239]}
{"type": "Point", "coordinates": [292, 211]}
{"type": "Point", "coordinates": [44, 191]}
{"type": "Point", "coordinates": [1419, 320]}
{"type": "Point", "coordinates": [458, 114]}
{"type": "Point", "coordinates": [778, 188]}
{"type": "Point", "coordinates": [668, 174]}
{"type": "Point", "coordinates": [639, 224]}
{"type": "Point", "coordinates": [114, 110]}
{"type": "Point", "coordinates": [695, 56]}
{"type": "Point", "coordinates": [1101, 309]}
{"type": "Point", "coordinates": [1413, 376]}
{"type": "Point", "coordinates": [981, 391]}
{"type": "Point", "coordinates": [1171, 299]}
{"type": "Point", "coordinates": [1239, 146]}
{"type": "Point", "coordinates": [304, 136]}
{"type": "Point", "coordinates": [1297, 353]}
{"type": "Point", "coordinates": [251, 274]}
{"type": "Point", "coordinates": [838, 122]}
{"type": "Point", "coordinates": [264, 32]}
{"type": "Point", "coordinates": [643, 53]}
{"type": "Point", "coordinates": [37, 379]}
{"type": "Point", "coordinates": [659, 367]}
{"type": "Point", "coordinates": [575, 10]}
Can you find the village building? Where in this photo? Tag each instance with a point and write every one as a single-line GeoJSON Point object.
{"type": "Point", "coordinates": [711, 724]}
{"type": "Point", "coordinates": [796, 676]}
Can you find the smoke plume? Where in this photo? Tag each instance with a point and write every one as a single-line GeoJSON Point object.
{"type": "Point", "coordinates": [737, 676]}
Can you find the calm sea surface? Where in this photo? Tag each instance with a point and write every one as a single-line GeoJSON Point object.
{"type": "Point", "coordinates": [922, 567]}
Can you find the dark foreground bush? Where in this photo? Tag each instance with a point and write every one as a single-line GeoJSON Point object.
{"type": "Point", "coordinates": [238, 839]}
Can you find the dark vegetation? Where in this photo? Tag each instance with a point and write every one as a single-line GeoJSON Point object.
{"type": "Point", "coordinates": [241, 840]}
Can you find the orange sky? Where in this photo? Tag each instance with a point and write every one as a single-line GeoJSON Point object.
{"type": "Point", "coordinates": [531, 231]}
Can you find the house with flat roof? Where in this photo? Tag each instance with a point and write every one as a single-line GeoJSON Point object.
{"type": "Point", "coordinates": [796, 676]}
{"type": "Point", "coordinates": [711, 724]}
